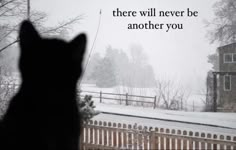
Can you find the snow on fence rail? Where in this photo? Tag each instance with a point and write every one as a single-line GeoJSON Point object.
{"type": "Point", "coordinates": [122, 98]}
{"type": "Point", "coordinates": [107, 135]}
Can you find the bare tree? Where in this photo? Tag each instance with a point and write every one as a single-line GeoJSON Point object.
{"type": "Point", "coordinates": [223, 26]}
{"type": "Point", "coordinates": [170, 96]}
{"type": "Point", "coordinates": [12, 12]}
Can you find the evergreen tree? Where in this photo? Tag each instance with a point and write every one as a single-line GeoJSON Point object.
{"type": "Point", "coordinates": [104, 73]}
{"type": "Point", "coordinates": [86, 106]}
{"type": "Point", "coordinates": [116, 68]}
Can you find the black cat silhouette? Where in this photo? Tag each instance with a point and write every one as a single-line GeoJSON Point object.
{"type": "Point", "coordinates": [44, 114]}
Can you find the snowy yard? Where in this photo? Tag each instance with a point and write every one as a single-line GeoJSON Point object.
{"type": "Point", "coordinates": [193, 99]}
{"type": "Point", "coordinates": [221, 123]}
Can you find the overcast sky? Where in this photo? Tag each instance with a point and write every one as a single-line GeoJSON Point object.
{"type": "Point", "coordinates": [177, 55]}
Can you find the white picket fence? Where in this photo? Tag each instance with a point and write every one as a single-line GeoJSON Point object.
{"type": "Point", "coordinates": [107, 135]}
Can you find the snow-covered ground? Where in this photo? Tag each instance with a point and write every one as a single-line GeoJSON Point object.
{"type": "Point", "coordinates": [220, 123]}
{"type": "Point", "coordinates": [193, 99]}
{"type": "Point", "coordinates": [226, 122]}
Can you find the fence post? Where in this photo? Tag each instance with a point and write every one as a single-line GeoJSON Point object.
{"type": "Point", "coordinates": [155, 100]}
{"type": "Point", "coordinates": [126, 99]}
{"type": "Point", "coordinates": [193, 106]}
{"type": "Point", "coordinates": [152, 140]}
{"type": "Point", "coordinates": [100, 96]}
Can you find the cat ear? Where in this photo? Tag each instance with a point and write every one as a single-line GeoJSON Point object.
{"type": "Point", "coordinates": [28, 34]}
{"type": "Point", "coordinates": [78, 45]}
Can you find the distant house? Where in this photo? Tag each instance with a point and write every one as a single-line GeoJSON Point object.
{"type": "Point", "coordinates": [227, 82]}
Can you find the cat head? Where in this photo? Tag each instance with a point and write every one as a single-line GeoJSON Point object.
{"type": "Point", "coordinates": [49, 60]}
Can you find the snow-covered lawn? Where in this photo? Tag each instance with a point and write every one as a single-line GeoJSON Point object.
{"type": "Point", "coordinates": [195, 99]}
{"type": "Point", "coordinates": [220, 123]}
{"type": "Point", "coordinates": [225, 121]}
{"type": "Point", "coordinates": [218, 119]}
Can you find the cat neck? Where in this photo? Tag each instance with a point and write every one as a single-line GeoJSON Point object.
{"type": "Point", "coordinates": [32, 87]}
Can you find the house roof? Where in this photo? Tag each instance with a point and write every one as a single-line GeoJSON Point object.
{"type": "Point", "coordinates": [226, 46]}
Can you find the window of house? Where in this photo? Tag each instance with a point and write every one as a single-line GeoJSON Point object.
{"type": "Point", "coordinates": [234, 57]}
{"type": "Point", "coordinates": [227, 82]}
{"type": "Point", "coordinates": [228, 58]}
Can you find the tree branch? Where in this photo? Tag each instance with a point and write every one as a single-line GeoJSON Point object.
{"type": "Point", "coordinates": [5, 47]}
{"type": "Point", "coordinates": [63, 25]}
{"type": "Point", "coordinates": [4, 4]}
